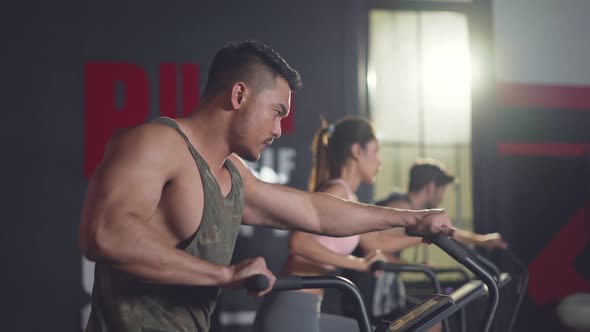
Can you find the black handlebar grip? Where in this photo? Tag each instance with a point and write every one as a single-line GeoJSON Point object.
{"type": "Point", "coordinates": [378, 266]}
{"type": "Point", "coordinates": [449, 245]}
{"type": "Point", "coordinates": [256, 283]}
{"type": "Point", "coordinates": [411, 233]}
{"type": "Point", "coordinates": [288, 283]}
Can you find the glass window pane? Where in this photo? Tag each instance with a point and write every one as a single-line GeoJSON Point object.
{"type": "Point", "coordinates": [446, 77]}
{"type": "Point", "coordinates": [419, 76]}
{"type": "Point", "coordinates": [419, 84]}
{"type": "Point", "coordinates": [392, 80]}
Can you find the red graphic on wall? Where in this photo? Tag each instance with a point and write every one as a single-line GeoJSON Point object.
{"type": "Point", "coordinates": [552, 274]}
{"type": "Point", "coordinates": [118, 95]}
{"type": "Point", "coordinates": [543, 149]}
{"type": "Point", "coordinates": [556, 97]}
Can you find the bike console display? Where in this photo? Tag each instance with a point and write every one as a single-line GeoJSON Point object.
{"type": "Point", "coordinates": [423, 316]}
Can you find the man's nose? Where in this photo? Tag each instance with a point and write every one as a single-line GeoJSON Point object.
{"type": "Point", "coordinates": [276, 131]}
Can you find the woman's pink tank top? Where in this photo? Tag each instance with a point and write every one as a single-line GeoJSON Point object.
{"type": "Point", "coordinates": [341, 245]}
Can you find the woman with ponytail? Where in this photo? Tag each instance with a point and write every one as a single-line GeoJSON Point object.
{"type": "Point", "coordinates": [345, 155]}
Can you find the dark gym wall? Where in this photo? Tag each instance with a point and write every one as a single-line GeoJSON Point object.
{"type": "Point", "coordinates": [532, 149]}
{"type": "Point", "coordinates": [48, 47]}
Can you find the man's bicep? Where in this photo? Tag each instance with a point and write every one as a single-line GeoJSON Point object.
{"type": "Point", "coordinates": [122, 193]}
{"type": "Point", "coordinates": [278, 206]}
{"type": "Point", "coordinates": [258, 196]}
{"type": "Point", "coordinates": [129, 180]}
{"type": "Point", "coordinates": [258, 203]}
{"type": "Point", "coordinates": [130, 189]}
{"type": "Point", "coordinates": [251, 213]}
{"type": "Point", "coordinates": [401, 204]}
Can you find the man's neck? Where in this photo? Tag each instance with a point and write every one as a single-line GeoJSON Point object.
{"type": "Point", "coordinates": [418, 200]}
{"type": "Point", "coordinates": [207, 129]}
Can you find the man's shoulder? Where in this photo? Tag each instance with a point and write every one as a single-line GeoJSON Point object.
{"type": "Point", "coordinates": [149, 135]}
{"type": "Point", "coordinates": [150, 145]}
{"type": "Point", "coordinates": [143, 149]}
{"type": "Point", "coordinates": [394, 197]}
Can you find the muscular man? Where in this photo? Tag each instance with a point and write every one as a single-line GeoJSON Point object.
{"type": "Point", "coordinates": [162, 210]}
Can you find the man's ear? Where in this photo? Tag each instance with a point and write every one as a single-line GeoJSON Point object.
{"type": "Point", "coordinates": [239, 93]}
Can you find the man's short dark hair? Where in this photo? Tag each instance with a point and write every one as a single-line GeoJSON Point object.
{"type": "Point", "coordinates": [252, 62]}
{"type": "Point", "coordinates": [424, 171]}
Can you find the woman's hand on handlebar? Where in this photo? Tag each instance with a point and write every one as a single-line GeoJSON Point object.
{"type": "Point", "coordinates": [372, 257]}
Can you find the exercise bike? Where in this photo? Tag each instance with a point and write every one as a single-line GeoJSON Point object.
{"type": "Point", "coordinates": [431, 311]}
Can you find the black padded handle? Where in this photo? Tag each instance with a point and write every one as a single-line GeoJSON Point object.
{"type": "Point", "coordinates": [462, 256]}
{"type": "Point", "coordinates": [260, 282]}
{"type": "Point", "coordinates": [256, 283]}
{"type": "Point", "coordinates": [449, 246]}
{"type": "Point", "coordinates": [288, 283]}
{"type": "Point", "coordinates": [378, 266]}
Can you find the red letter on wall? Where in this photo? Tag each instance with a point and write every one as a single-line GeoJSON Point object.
{"type": "Point", "coordinates": [190, 88]}
{"type": "Point", "coordinates": [168, 105]}
{"type": "Point", "coordinates": [103, 115]}
{"type": "Point", "coordinates": [168, 89]}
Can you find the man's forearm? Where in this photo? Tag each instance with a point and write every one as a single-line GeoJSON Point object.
{"type": "Point", "coordinates": [490, 240]}
{"type": "Point", "coordinates": [321, 213]}
{"type": "Point", "coordinates": [467, 237]}
{"type": "Point", "coordinates": [338, 217]}
{"type": "Point", "coordinates": [173, 266]}
{"type": "Point", "coordinates": [138, 250]}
